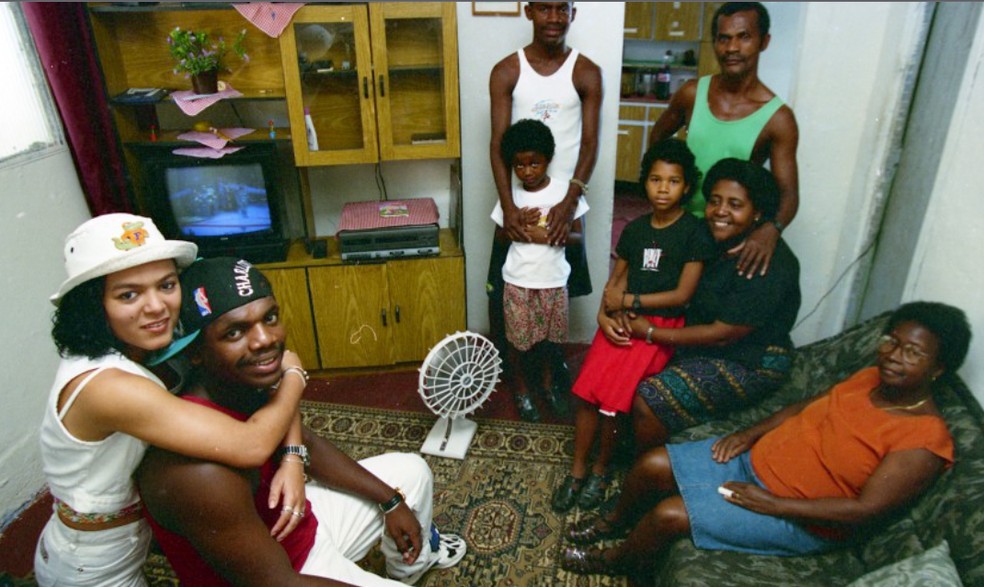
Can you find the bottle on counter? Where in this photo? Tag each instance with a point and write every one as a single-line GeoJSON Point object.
{"type": "Point", "coordinates": [312, 135]}
{"type": "Point", "coordinates": [664, 77]}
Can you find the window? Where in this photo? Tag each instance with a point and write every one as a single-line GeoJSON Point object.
{"type": "Point", "coordinates": [27, 115]}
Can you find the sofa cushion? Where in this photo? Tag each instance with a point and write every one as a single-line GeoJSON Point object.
{"type": "Point", "coordinates": [686, 566]}
{"type": "Point", "coordinates": [931, 568]}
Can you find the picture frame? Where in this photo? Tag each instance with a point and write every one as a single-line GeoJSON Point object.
{"type": "Point", "coordinates": [495, 8]}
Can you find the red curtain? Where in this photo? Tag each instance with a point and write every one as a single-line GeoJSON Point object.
{"type": "Point", "coordinates": [64, 42]}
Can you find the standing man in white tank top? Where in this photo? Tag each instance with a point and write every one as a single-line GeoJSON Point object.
{"type": "Point", "coordinates": [555, 84]}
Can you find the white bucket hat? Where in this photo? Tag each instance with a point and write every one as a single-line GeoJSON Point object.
{"type": "Point", "coordinates": [114, 242]}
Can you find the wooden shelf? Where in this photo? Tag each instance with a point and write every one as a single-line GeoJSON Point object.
{"type": "Point", "coordinates": [298, 255]}
{"type": "Point", "coordinates": [108, 7]}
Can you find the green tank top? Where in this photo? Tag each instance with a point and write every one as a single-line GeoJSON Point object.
{"type": "Point", "coordinates": [711, 139]}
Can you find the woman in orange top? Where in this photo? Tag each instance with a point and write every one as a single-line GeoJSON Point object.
{"type": "Point", "coordinates": [799, 481]}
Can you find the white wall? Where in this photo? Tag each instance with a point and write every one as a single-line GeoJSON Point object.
{"type": "Point", "coordinates": [482, 42]}
{"type": "Point", "coordinates": [853, 60]}
{"type": "Point", "coordinates": [334, 186]}
{"type": "Point", "coordinates": [947, 264]}
{"type": "Point", "coordinates": [42, 202]}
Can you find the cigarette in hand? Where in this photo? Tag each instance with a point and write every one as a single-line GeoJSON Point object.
{"type": "Point", "coordinates": [725, 491]}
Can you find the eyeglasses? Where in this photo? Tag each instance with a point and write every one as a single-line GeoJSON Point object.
{"type": "Point", "coordinates": [911, 354]}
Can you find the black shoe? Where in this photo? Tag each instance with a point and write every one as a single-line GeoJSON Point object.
{"type": "Point", "coordinates": [594, 491]}
{"type": "Point", "coordinates": [566, 494]}
{"type": "Point", "coordinates": [527, 411]}
{"type": "Point", "coordinates": [562, 377]}
{"type": "Point", "coordinates": [557, 398]}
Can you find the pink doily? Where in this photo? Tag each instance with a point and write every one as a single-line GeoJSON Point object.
{"type": "Point", "coordinates": [271, 18]}
{"type": "Point", "coordinates": [217, 139]}
{"type": "Point", "coordinates": [205, 152]}
{"type": "Point", "coordinates": [191, 103]}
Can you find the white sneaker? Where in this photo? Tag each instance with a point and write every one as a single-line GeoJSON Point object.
{"type": "Point", "coordinates": [450, 553]}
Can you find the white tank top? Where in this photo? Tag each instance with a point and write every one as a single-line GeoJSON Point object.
{"type": "Point", "coordinates": [91, 477]}
{"type": "Point", "coordinates": [554, 101]}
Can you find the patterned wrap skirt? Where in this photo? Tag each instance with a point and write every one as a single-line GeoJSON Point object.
{"type": "Point", "coordinates": [694, 389]}
{"type": "Point", "coordinates": [534, 315]}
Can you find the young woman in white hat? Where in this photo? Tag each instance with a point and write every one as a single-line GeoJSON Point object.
{"type": "Point", "coordinates": [118, 306]}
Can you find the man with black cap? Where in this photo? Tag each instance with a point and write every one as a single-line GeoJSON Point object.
{"type": "Point", "coordinates": [213, 522]}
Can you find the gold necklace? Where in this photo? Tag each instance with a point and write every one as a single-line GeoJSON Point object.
{"type": "Point", "coordinates": [908, 407]}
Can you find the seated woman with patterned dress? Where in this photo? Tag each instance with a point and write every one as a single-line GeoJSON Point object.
{"type": "Point", "coordinates": [735, 349]}
{"type": "Point", "coordinates": [800, 481]}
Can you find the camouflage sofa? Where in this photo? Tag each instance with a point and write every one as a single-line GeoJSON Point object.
{"type": "Point", "coordinates": [952, 509]}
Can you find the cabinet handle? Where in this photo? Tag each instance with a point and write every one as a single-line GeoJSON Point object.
{"type": "Point", "coordinates": [382, 86]}
{"type": "Point", "coordinates": [396, 311]}
{"type": "Point", "coordinates": [365, 87]}
{"type": "Point", "coordinates": [630, 30]}
{"type": "Point", "coordinates": [382, 315]}
{"type": "Point", "coordinates": [623, 132]}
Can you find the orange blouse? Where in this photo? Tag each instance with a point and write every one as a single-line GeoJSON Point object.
{"type": "Point", "coordinates": [833, 446]}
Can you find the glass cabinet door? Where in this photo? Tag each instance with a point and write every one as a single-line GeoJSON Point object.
{"type": "Point", "coordinates": [328, 81]}
{"type": "Point", "coordinates": [415, 58]}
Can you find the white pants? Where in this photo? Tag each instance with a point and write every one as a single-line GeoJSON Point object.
{"type": "Point", "coordinates": [104, 558]}
{"type": "Point", "coordinates": [348, 526]}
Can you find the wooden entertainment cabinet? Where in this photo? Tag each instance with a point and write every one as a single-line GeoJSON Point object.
{"type": "Point", "coordinates": [380, 82]}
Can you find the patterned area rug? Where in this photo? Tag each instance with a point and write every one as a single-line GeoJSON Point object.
{"type": "Point", "coordinates": [498, 497]}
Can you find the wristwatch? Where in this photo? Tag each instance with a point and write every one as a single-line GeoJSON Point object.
{"type": "Point", "coordinates": [387, 507]}
{"type": "Point", "coordinates": [299, 450]}
{"type": "Point", "coordinates": [778, 224]}
{"type": "Point", "coordinates": [580, 184]}
{"type": "Point", "coordinates": [636, 303]}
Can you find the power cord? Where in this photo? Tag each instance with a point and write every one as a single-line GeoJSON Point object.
{"type": "Point", "coordinates": [381, 182]}
{"type": "Point", "coordinates": [840, 278]}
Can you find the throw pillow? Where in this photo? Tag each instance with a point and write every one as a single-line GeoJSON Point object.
{"type": "Point", "coordinates": [931, 568]}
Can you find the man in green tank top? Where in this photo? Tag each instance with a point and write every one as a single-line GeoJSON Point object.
{"type": "Point", "coordinates": [733, 114]}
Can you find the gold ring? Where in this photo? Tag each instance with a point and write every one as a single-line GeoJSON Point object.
{"type": "Point", "coordinates": [297, 514]}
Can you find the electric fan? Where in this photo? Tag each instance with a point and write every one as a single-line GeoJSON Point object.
{"type": "Point", "coordinates": [457, 376]}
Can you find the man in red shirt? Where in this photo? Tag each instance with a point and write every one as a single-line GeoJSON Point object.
{"type": "Point", "coordinates": [214, 522]}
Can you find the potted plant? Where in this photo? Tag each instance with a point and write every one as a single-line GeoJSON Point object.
{"type": "Point", "coordinates": [199, 56]}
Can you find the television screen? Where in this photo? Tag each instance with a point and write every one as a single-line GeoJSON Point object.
{"type": "Point", "coordinates": [219, 200]}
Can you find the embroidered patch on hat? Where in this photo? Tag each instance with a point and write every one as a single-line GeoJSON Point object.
{"type": "Point", "coordinates": [201, 300]}
{"type": "Point", "coordinates": [134, 235]}
{"type": "Point", "coordinates": [243, 283]}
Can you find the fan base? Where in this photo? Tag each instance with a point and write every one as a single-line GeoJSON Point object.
{"type": "Point", "coordinates": [462, 431]}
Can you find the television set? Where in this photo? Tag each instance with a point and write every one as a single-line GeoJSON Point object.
{"type": "Point", "coordinates": [228, 206]}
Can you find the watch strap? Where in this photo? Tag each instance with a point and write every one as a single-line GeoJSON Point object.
{"type": "Point", "coordinates": [388, 506]}
{"type": "Point", "coordinates": [299, 450]}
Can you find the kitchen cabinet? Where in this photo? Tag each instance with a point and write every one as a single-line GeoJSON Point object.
{"type": "Point", "coordinates": [677, 21]}
{"type": "Point", "coordinates": [639, 20]}
{"type": "Point", "coordinates": [635, 121]}
{"type": "Point", "coordinates": [377, 81]}
{"type": "Point", "coordinates": [632, 134]}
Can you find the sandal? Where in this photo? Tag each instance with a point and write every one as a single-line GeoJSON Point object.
{"type": "Point", "coordinates": [591, 530]}
{"type": "Point", "coordinates": [566, 495]}
{"type": "Point", "coordinates": [594, 491]}
{"type": "Point", "coordinates": [587, 562]}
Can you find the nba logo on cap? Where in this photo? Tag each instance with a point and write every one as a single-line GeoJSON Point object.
{"type": "Point", "coordinates": [201, 300]}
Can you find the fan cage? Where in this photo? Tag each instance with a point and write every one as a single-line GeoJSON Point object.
{"type": "Point", "coordinates": [459, 374]}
